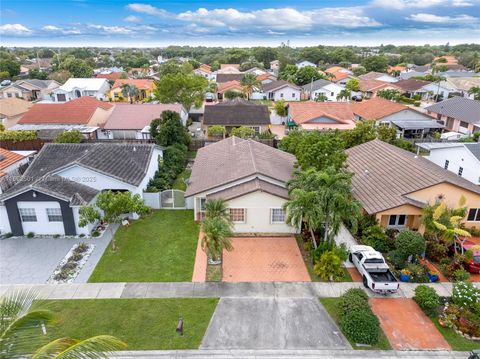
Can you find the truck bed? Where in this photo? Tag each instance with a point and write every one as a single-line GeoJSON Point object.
{"type": "Point", "coordinates": [382, 277]}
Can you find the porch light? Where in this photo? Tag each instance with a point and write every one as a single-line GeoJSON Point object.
{"type": "Point", "coordinates": [34, 194]}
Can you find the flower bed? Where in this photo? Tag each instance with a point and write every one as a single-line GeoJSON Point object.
{"type": "Point", "coordinates": [70, 266]}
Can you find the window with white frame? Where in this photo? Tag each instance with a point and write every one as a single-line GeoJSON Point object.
{"type": "Point", "coordinates": [460, 171]}
{"type": "Point", "coordinates": [54, 214]}
{"type": "Point", "coordinates": [277, 215]}
{"type": "Point", "coordinates": [237, 215]}
{"type": "Point", "coordinates": [397, 220]}
{"type": "Point", "coordinates": [447, 162]}
{"type": "Point", "coordinates": [28, 214]}
{"type": "Point", "coordinates": [473, 215]}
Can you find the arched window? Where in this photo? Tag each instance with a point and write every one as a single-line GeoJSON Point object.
{"type": "Point", "coordinates": [78, 93]}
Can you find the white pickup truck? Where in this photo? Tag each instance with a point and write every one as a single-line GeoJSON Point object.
{"type": "Point", "coordinates": [372, 267]}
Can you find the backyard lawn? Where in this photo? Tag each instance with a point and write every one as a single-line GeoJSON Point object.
{"type": "Point", "coordinates": [158, 248]}
{"type": "Point", "coordinates": [141, 323]}
{"type": "Point", "coordinates": [331, 305]}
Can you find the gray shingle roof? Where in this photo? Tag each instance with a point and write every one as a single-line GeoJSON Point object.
{"type": "Point", "coordinates": [249, 187]}
{"type": "Point", "coordinates": [236, 112]}
{"type": "Point", "coordinates": [274, 85]}
{"type": "Point", "coordinates": [229, 77]}
{"type": "Point", "coordinates": [474, 148]}
{"type": "Point", "coordinates": [125, 162]}
{"type": "Point", "coordinates": [235, 158]}
{"type": "Point", "coordinates": [315, 85]}
{"type": "Point", "coordinates": [458, 107]}
{"type": "Point", "coordinates": [385, 175]}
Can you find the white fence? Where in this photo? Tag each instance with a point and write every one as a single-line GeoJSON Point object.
{"type": "Point", "coordinates": [168, 199]}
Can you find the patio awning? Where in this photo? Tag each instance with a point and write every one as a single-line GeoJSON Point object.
{"type": "Point", "coordinates": [417, 125]}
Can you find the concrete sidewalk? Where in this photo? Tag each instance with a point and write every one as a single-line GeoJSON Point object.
{"type": "Point", "coordinates": [284, 354]}
{"type": "Point", "coordinates": [204, 290]}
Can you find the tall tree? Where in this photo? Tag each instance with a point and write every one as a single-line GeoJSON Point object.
{"type": "Point", "coordinates": [169, 130]}
{"type": "Point", "coordinates": [378, 63]}
{"type": "Point", "coordinates": [186, 89]}
{"type": "Point", "coordinates": [249, 83]}
{"type": "Point", "coordinates": [130, 91]}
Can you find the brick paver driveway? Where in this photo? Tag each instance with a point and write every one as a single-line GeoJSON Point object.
{"type": "Point", "coordinates": [264, 259]}
{"type": "Point", "coordinates": [406, 326]}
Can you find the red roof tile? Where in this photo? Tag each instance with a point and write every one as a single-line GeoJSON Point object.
{"type": "Point", "coordinates": [141, 84]}
{"type": "Point", "coordinates": [111, 76]}
{"type": "Point", "coordinates": [303, 112]}
{"type": "Point", "coordinates": [8, 158]}
{"type": "Point", "coordinates": [376, 108]}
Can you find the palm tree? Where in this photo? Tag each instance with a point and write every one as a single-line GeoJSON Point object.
{"type": "Point", "coordinates": [344, 94]}
{"type": "Point", "coordinates": [21, 333]}
{"type": "Point", "coordinates": [216, 238]}
{"type": "Point", "coordinates": [217, 208]}
{"type": "Point", "coordinates": [249, 83]}
{"type": "Point", "coordinates": [130, 91]}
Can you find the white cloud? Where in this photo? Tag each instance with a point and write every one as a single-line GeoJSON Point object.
{"type": "Point", "coordinates": [51, 28]}
{"type": "Point", "coordinates": [14, 29]}
{"type": "Point", "coordinates": [147, 9]}
{"type": "Point", "coordinates": [112, 29]}
{"type": "Point", "coordinates": [132, 18]}
{"type": "Point", "coordinates": [420, 4]}
{"type": "Point", "coordinates": [431, 18]}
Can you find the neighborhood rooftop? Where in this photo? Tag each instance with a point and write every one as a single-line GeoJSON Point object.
{"type": "Point", "coordinates": [458, 107]}
{"type": "Point", "coordinates": [236, 112]}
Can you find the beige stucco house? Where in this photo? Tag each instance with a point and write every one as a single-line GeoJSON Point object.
{"type": "Point", "coordinates": [251, 177]}
{"type": "Point", "coordinates": [395, 185]}
{"type": "Point", "coordinates": [30, 89]}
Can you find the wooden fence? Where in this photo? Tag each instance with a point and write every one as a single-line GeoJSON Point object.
{"type": "Point", "coordinates": [28, 145]}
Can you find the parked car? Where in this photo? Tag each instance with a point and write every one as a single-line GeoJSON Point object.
{"type": "Point", "coordinates": [473, 266]}
{"type": "Point", "coordinates": [5, 83]}
{"type": "Point", "coordinates": [375, 272]}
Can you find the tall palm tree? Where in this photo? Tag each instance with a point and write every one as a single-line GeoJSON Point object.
{"type": "Point", "coordinates": [217, 208]}
{"type": "Point", "coordinates": [130, 91]}
{"type": "Point", "coordinates": [21, 333]}
{"type": "Point", "coordinates": [249, 83]}
{"type": "Point", "coordinates": [216, 238]}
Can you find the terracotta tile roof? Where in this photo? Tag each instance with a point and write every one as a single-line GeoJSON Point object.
{"type": "Point", "coordinates": [233, 159]}
{"type": "Point", "coordinates": [136, 116]}
{"type": "Point", "coordinates": [372, 75]}
{"type": "Point", "coordinates": [376, 108]}
{"type": "Point", "coordinates": [302, 112]}
{"type": "Point", "coordinates": [396, 68]}
{"type": "Point", "coordinates": [226, 66]}
{"type": "Point", "coordinates": [111, 76]}
{"type": "Point", "coordinates": [78, 111]}
{"type": "Point", "coordinates": [12, 106]}
{"type": "Point", "coordinates": [205, 68]}
{"type": "Point", "coordinates": [339, 76]}
{"type": "Point", "coordinates": [225, 86]}
{"type": "Point", "coordinates": [373, 85]}
{"type": "Point", "coordinates": [8, 158]}
{"type": "Point", "coordinates": [266, 76]}
{"type": "Point", "coordinates": [411, 84]}
{"type": "Point", "coordinates": [386, 176]}
{"type": "Point", "coordinates": [141, 84]}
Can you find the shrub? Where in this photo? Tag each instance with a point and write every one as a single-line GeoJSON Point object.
{"type": "Point", "coordinates": [418, 273]}
{"type": "Point", "coordinates": [69, 266]}
{"type": "Point", "coordinates": [216, 130]}
{"type": "Point", "coordinates": [73, 136]}
{"type": "Point", "coordinates": [243, 132]}
{"type": "Point", "coordinates": [30, 235]}
{"type": "Point", "coordinates": [361, 326]}
{"type": "Point", "coordinates": [82, 235]}
{"type": "Point", "coordinates": [409, 243]}
{"type": "Point", "coordinates": [354, 299]}
{"type": "Point", "coordinates": [435, 251]}
{"type": "Point", "coordinates": [376, 237]}
{"type": "Point", "coordinates": [281, 108]}
{"type": "Point", "coordinates": [18, 135]}
{"type": "Point", "coordinates": [322, 247]}
{"type": "Point", "coordinates": [81, 248]}
{"type": "Point", "coordinates": [8, 235]}
{"type": "Point", "coordinates": [461, 275]}
{"type": "Point", "coordinates": [329, 267]}
{"type": "Point", "coordinates": [95, 234]}
{"type": "Point", "coordinates": [465, 294]}
{"type": "Point", "coordinates": [75, 257]}
{"type": "Point", "coordinates": [427, 298]}
{"type": "Point", "coordinates": [56, 236]}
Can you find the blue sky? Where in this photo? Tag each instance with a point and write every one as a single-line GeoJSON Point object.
{"type": "Point", "coordinates": [243, 23]}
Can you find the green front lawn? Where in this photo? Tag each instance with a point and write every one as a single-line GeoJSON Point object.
{"type": "Point", "coordinates": [331, 305]}
{"type": "Point", "coordinates": [141, 323]}
{"type": "Point", "coordinates": [157, 248]}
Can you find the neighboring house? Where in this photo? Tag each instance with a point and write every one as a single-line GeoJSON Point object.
{"type": "Point", "coordinates": [412, 73]}
{"type": "Point", "coordinates": [85, 114]}
{"type": "Point", "coordinates": [369, 88]}
{"type": "Point", "coordinates": [132, 121]}
{"type": "Point", "coordinates": [395, 186]}
{"type": "Point", "coordinates": [409, 122]}
{"type": "Point", "coordinates": [138, 72]}
{"type": "Point", "coordinates": [464, 84]}
{"type": "Point", "coordinates": [379, 76]}
{"type": "Point", "coordinates": [11, 110]}
{"type": "Point", "coordinates": [460, 158]}
{"type": "Point", "coordinates": [229, 67]}
{"type": "Point", "coordinates": [251, 177]}
{"type": "Point", "coordinates": [110, 76]}
{"type": "Point", "coordinates": [310, 115]}
{"type": "Point", "coordinates": [30, 89]}
{"type": "Point", "coordinates": [63, 177]}
{"type": "Point", "coordinates": [80, 87]}
{"type": "Point", "coordinates": [305, 63]}
{"type": "Point", "coordinates": [10, 163]}
{"type": "Point", "coordinates": [327, 88]}
{"type": "Point", "coordinates": [441, 89]}
{"type": "Point", "coordinates": [236, 113]}
{"type": "Point", "coordinates": [221, 78]}
{"type": "Point", "coordinates": [256, 70]}
{"type": "Point", "coordinates": [459, 114]}
{"type": "Point", "coordinates": [281, 90]}
{"type": "Point", "coordinates": [266, 78]}
{"type": "Point", "coordinates": [275, 65]}
{"type": "Point", "coordinates": [228, 86]}
{"type": "Point", "coordinates": [339, 75]}
{"type": "Point", "coordinates": [393, 70]}
{"type": "Point", "coordinates": [412, 87]}
{"type": "Point", "coordinates": [145, 88]}
{"type": "Point", "coordinates": [205, 71]}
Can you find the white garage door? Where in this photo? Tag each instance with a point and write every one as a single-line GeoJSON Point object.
{"type": "Point", "coordinates": [41, 217]}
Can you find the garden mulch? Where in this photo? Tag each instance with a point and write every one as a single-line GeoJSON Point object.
{"type": "Point", "coordinates": [406, 325]}
{"type": "Point", "coordinates": [433, 267]}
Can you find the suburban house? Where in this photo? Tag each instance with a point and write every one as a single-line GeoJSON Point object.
{"type": "Point", "coordinates": [463, 85]}
{"type": "Point", "coordinates": [85, 114]}
{"type": "Point", "coordinates": [79, 87]}
{"type": "Point", "coordinates": [30, 89]}
{"type": "Point", "coordinates": [110, 76]}
{"type": "Point", "coordinates": [327, 88]}
{"type": "Point", "coordinates": [441, 89]}
{"type": "Point", "coordinates": [275, 65]}
{"type": "Point", "coordinates": [132, 121]}
{"type": "Point", "coordinates": [310, 115]}
{"type": "Point", "coordinates": [379, 76]}
{"type": "Point", "coordinates": [412, 87]}
{"type": "Point", "coordinates": [10, 163]}
{"type": "Point", "coordinates": [222, 78]}
{"type": "Point", "coordinates": [339, 75]}
{"type": "Point", "coordinates": [409, 122]}
{"type": "Point", "coordinates": [266, 78]}
{"type": "Point", "coordinates": [395, 185]}
{"type": "Point", "coordinates": [235, 113]}
{"type": "Point", "coordinates": [145, 88]}
{"type": "Point", "coordinates": [251, 177]}
{"type": "Point", "coordinates": [369, 88]}
{"type": "Point", "coordinates": [280, 90]}
{"type": "Point", "coordinates": [138, 72]}
{"type": "Point", "coordinates": [224, 68]}
{"type": "Point", "coordinates": [205, 71]}
{"type": "Point", "coordinates": [460, 158]}
{"type": "Point", "coordinates": [459, 114]}
{"type": "Point", "coordinates": [228, 86]}
{"type": "Point", "coordinates": [11, 110]}
{"type": "Point", "coordinates": [305, 63]}
{"type": "Point", "coordinates": [63, 177]}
